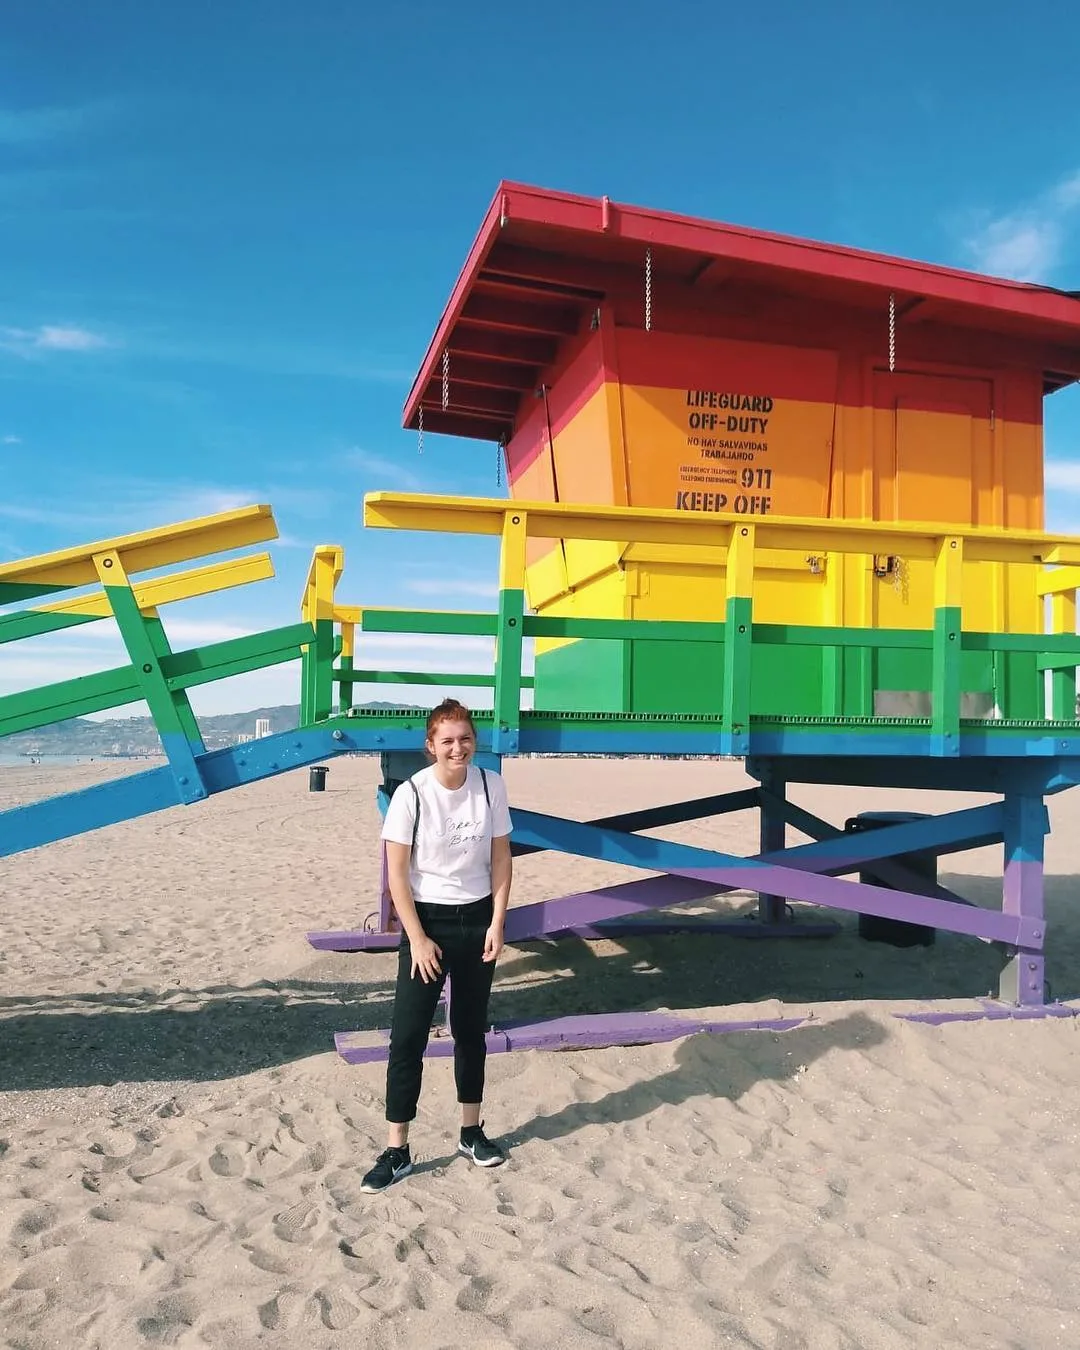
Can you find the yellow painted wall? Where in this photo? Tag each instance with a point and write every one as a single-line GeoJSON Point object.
{"type": "Point", "coordinates": [794, 431]}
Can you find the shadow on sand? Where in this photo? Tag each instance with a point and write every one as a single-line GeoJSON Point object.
{"type": "Point", "coordinates": [712, 1066]}
{"type": "Point", "coordinates": [79, 1040]}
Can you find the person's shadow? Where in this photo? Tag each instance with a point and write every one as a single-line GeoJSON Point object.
{"type": "Point", "coordinates": [712, 1066]}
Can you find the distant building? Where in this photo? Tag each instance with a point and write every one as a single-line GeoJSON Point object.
{"type": "Point", "coordinates": [262, 727]}
{"type": "Point", "coordinates": [242, 737]}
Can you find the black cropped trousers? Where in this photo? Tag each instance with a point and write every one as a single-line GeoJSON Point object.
{"type": "Point", "coordinates": [459, 931]}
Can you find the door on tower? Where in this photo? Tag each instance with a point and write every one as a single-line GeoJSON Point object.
{"type": "Point", "coordinates": [932, 442]}
{"type": "Point", "coordinates": [933, 448]}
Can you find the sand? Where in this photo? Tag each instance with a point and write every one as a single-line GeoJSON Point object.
{"type": "Point", "coordinates": [181, 1150]}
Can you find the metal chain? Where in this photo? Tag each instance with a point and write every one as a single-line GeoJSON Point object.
{"type": "Point", "coordinates": [892, 332]}
{"type": "Point", "coordinates": [900, 578]}
{"type": "Point", "coordinates": [420, 431]}
{"type": "Point", "coordinates": [446, 378]}
{"type": "Point", "coordinates": [500, 446]}
{"type": "Point", "coordinates": [648, 290]}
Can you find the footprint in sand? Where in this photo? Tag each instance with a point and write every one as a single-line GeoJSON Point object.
{"type": "Point", "coordinates": [227, 1160]}
{"type": "Point", "coordinates": [336, 1311]}
{"type": "Point", "coordinates": [110, 1211]}
{"type": "Point", "coordinates": [295, 1223]}
{"type": "Point", "coordinates": [474, 1297]}
{"type": "Point", "coordinates": [148, 1167]}
{"type": "Point", "coordinates": [280, 1312]}
{"type": "Point", "coordinates": [313, 1159]}
{"type": "Point", "coordinates": [599, 1322]}
{"type": "Point", "coordinates": [264, 1260]}
{"type": "Point", "coordinates": [616, 1267]}
{"type": "Point", "coordinates": [32, 1222]}
{"type": "Point", "coordinates": [170, 1317]}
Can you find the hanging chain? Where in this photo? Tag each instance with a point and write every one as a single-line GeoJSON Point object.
{"type": "Point", "coordinates": [500, 446]}
{"type": "Point", "coordinates": [892, 332]}
{"type": "Point", "coordinates": [648, 290]}
{"type": "Point", "coordinates": [420, 431]}
{"type": "Point", "coordinates": [900, 578]}
{"type": "Point", "coordinates": [446, 378]}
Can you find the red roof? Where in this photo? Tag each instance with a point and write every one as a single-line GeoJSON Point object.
{"type": "Point", "coordinates": [542, 262]}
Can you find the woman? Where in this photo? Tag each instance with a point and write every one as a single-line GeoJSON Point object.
{"type": "Point", "coordinates": [447, 837]}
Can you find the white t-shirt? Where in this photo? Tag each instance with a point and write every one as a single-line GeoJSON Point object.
{"type": "Point", "coordinates": [451, 863]}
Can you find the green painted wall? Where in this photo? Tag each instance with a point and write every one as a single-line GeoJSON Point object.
{"type": "Point", "coordinates": [583, 676]}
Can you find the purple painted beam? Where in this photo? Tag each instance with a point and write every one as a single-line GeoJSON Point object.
{"type": "Point", "coordinates": [746, 926]}
{"type": "Point", "coordinates": [355, 940]}
{"type": "Point", "coordinates": [565, 1033]}
{"type": "Point", "coordinates": [574, 913]}
{"type": "Point", "coordinates": [888, 870]}
{"type": "Point", "coordinates": [729, 872]}
{"type": "Point", "coordinates": [528, 921]}
{"type": "Point", "coordinates": [990, 1011]}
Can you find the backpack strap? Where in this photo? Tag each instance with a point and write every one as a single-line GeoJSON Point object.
{"type": "Point", "coordinates": [483, 780]}
{"type": "Point", "coordinates": [416, 817]}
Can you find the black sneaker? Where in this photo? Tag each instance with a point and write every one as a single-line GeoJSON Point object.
{"type": "Point", "coordinates": [390, 1166]}
{"type": "Point", "coordinates": [475, 1144]}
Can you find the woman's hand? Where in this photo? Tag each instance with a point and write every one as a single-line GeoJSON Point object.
{"type": "Point", "coordinates": [425, 959]}
{"type": "Point", "coordinates": [493, 942]}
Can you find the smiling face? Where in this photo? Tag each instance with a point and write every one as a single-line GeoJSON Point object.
{"type": "Point", "coordinates": [451, 745]}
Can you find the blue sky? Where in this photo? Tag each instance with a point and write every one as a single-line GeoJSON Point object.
{"type": "Point", "coordinates": [228, 232]}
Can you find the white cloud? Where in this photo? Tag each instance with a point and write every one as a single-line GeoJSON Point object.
{"type": "Point", "coordinates": [182, 633]}
{"type": "Point", "coordinates": [10, 440]}
{"type": "Point", "coordinates": [255, 351]}
{"type": "Point", "coordinates": [51, 338]}
{"type": "Point", "coordinates": [452, 587]}
{"type": "Point", "coordinates": [43, 515]}
{"type": "Point", "coordinates": [164, 503]}
{"type": "Point", "coordinates": [103, 509]}
{"type": "Point", "coordinates": [1067, 192]}
{"type": "Point", "coordinates": [1062, 475]}
{"type": "Point", "coordinates": [387, 473]}
{"type": "Point", "coordinates": [1029, 242]}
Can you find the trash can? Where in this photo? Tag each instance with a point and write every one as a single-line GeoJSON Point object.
{"type": "Point", "coordinates": [317, 778]}
{"type": "Point", "coordinates": [894, 931]}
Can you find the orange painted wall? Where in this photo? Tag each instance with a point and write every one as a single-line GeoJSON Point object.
{"type": "Point", "coordinates": [722, 423]}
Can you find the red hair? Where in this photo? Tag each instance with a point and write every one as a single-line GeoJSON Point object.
{"type": "Point", "coordinates": [449, 710]}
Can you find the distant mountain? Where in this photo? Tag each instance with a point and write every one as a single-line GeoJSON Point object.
{"type": "Point", "coordinates": [136, 736]}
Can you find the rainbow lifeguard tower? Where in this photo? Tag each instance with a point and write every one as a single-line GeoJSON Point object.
{"type": "Point", "coordinates": [769, 499]}
{"type": "Point", "coordinates": [630, 358]}
{"type": "Point", "coordinates": [772, 499]}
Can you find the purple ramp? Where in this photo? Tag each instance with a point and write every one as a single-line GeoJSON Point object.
{"type": "Point", "coordinates": [565, 1033]}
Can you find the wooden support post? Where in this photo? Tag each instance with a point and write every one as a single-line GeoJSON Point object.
{"type": "Point", "coordinates": [509, 634]}
{"type": "Point", "coordinates": [946, 655]}
{"type": "Point", "coordinates": [1063, 682]}
{"type": "Point", "coordinates": [317, 670]}
{"type": "Point", "coordinates": [1023, 978]}
{"type": "Point", "coordinates": [347, 667]}
{"type": "Point", "coordinates": [170, 709]}
{"type": "Point", "coordinates": [155, 631]}
{"type": "Point", "coordinates": [772, 836]}
{"type": "Point", "coordinates": [738, 640]}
